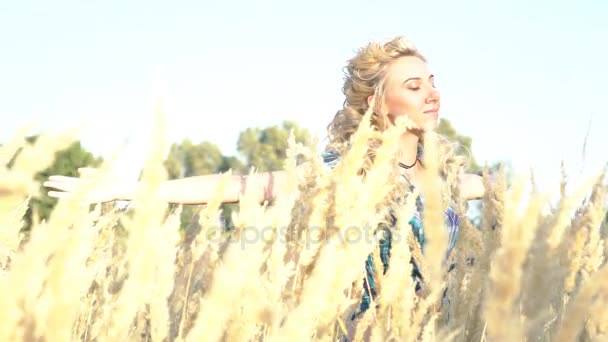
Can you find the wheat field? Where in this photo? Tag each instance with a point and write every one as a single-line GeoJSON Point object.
{"type": "Point", "coordinates": [293, 270]}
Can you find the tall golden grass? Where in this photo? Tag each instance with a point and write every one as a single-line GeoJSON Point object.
{"type": "Point", "coordinates": [292, 270]}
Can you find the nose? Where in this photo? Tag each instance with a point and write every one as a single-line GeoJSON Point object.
{"type": "Point", "coordinates": [433, 96]}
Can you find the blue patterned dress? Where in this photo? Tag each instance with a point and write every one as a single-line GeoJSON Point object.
{"type": "Point", "coordinates": [331, 159]}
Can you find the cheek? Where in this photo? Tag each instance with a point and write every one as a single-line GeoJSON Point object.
{"type": "Point", "coordinates": [399, 105]}
{"type": "Point", "coordinates": [405, 103]}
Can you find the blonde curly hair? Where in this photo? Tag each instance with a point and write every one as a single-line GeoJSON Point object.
{"type": "Point", "coordinates": [365, 77]}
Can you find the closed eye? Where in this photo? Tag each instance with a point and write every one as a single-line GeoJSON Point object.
{"type": "Point", "coordinates": [415, 87]}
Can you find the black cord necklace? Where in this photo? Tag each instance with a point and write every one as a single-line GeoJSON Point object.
{"type": "Point", "coordinates": [408, 166]}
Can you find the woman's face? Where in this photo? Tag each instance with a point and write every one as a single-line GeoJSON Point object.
{"type": "Point", "coordinates": [410, 90]}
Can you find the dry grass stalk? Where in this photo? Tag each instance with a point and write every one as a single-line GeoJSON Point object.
{"type": "Point", "coordinates": [293, 269]}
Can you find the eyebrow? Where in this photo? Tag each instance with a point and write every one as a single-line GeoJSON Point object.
{"type": "Point", "coordinates": [418, 78]}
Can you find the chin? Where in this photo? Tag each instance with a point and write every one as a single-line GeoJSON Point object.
{"type": "Point", "coordinates": [430, 126]}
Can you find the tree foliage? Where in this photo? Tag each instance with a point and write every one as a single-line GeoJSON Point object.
{"type": "Point", "coordinates": [188, 159]}
{"type": "Point", "coordinates": [265, 149]}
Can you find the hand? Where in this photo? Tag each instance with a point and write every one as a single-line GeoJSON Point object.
{"type": "Point", "coordinates": [108, 188]}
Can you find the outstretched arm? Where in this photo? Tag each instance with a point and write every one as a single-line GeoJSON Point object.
{"type": "Point", "coordinates": [201, 189]}
{"type": "Point", "coordinates": [189, 190]}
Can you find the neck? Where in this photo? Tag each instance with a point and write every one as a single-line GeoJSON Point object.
{"type": "Point", "coordinates": [409, 148]}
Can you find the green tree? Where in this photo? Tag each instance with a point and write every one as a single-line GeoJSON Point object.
{"type": "Point", "coordinates": [187, 159]}
{"type": "Point", "coordinates": [232, 163]}
{"type": "Point", "coordinates": [266, 149]}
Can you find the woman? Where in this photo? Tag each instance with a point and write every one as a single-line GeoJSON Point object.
{"type": "Point", "coordinates": [394, 76]}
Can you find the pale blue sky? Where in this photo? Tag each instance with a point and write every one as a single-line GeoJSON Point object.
{"type": "Point", "coordinates": [523, 79]}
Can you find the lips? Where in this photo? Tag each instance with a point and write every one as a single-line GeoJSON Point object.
{"type": "Point", "coordinates": [432, 112]}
